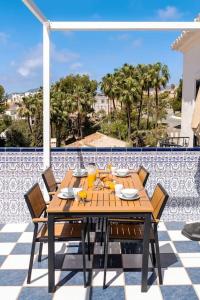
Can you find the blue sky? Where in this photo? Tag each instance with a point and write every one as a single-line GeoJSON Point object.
{"type": "Point", "coordinates": [95, 53]}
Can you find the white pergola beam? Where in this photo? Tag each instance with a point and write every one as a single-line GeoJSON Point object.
{"type": "Point", "coordinates": [35, 10]}
{"type": "Point", "coordinates": [93, 26]}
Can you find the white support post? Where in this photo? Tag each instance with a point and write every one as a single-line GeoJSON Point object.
{"type": "Point", "coordinates": [46, 97]}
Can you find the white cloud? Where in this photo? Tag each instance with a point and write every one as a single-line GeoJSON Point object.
{"type": "Point", "coordinates": [123, 37]}
{"type": "Point", "coordinates": [63, 55]}
{"type": "Point", "coordinates": [169, 12]}
{"type": "Point", "coordinates": [76, 66]}
{"type": "Point", "coordinates": [136, 43]}
{"type": "Point", "coordinates": [3, 37]}
{"type": "Point", "coordinates": [33, 60]}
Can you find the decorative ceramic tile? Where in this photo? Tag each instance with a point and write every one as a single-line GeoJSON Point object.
{"type": "Point", "coordinates": [177, 171]}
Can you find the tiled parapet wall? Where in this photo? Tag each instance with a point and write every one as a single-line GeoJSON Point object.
{"type": "Point", "coordinates": [178, 170]}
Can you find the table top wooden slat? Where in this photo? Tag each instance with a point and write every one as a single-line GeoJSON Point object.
{"type": "Point", "coordinates": [101, 201]}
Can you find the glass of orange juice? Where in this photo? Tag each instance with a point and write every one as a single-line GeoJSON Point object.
{"type": "Point", "coordinates": [91, 175]}
{"type": "Point", "coordinates": [91, 179]}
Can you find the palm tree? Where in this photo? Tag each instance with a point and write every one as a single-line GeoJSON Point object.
{"type": "Point", "coordinates": [59, 112]}
{"type": "Point", "coordinates": [128, 90]}
{"type": "Point", "coordinates": [76, 95]}
{"type": "Point", "coordinates": [27, 109]}
{"type": "Point", "coordinates": [149, 80]}
{"type": "Point", "coordinates": [108, 86]}
{"type": "Point", "coordinates": [160, 78]}
{"type": "Point", "coordinates": [143, 83]}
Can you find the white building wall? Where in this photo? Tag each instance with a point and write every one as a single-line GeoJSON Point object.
{"type": "Point", "coordinates": [191, 73]}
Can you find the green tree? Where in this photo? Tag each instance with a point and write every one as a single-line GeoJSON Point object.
{"type": "Point", "coordinates": [2, 93]}
{"type": "Point", "coordinates": [3, 105]}
{"type": "Point", "coordinates": [27, 109]}
{"type": "Point", "coordinates": [59, 112]}
{"type": "Point", "coordinates": [129, 91]}
{"type": "Point", "coordinates": [72, 100]}
{"type": "Point", "coordinates": [31, 109]}
{"type": "Point", "coordinates": [142, 76]}
{"type": "Point", "coordinates": [160, 78]}
{"type": "Point", "coordinates": [149, 79]}
{"type": "Point", "coordinates": [18, 135]}
{"type": "Point", "coordinates": [109, 86]}
{"type": "Point", "coordinates": [177, 101]}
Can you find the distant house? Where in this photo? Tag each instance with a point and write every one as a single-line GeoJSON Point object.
{"type": "Point", "coordinates": [101, 103]}
{"type": "Point", "coordinates": [12, 111]}
{"type": "Point", "coordinates": [17, 97]}
{"type": "Point", "coordinates": [189, 44]}
{"type": "Point", "coordinates": [98, 139]}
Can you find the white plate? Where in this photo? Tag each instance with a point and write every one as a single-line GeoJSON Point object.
{"type": "Point", "coordinates": [64, 196]}
{"type": "Point", "coordinates": [136, 197]}
{"type": "Point", "coordinates": [79, 175]}
{"type": "Point", "coordinates": [122, 175]}
{"type": "Point", "coordinates": [67, 190]}
{"type": "Point", "coordinates": [129, 192]}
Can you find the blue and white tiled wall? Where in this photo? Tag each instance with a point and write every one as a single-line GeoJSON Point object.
{"type": "Point", "coordinates": [177, 169]}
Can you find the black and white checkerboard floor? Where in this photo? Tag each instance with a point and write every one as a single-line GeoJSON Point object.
{"type": "Point", "coordinates": [180, 261]}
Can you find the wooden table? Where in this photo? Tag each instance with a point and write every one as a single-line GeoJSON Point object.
{"type": "Point", "coordinates": [104, 203]}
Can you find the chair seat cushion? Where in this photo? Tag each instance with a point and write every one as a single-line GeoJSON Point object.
{"type": "Point", "coordinates": [192, 231]}
{"type": "Point", "coordinates": [62, 231]}
{"type": "Point", "coordinates": [124, 231]}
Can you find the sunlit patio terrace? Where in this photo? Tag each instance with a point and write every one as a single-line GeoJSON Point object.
{"type": "Point", "coordinates": [176, 169]}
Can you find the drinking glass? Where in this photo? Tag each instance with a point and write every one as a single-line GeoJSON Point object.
{"type": "Point", "coordinates": [91, 175]}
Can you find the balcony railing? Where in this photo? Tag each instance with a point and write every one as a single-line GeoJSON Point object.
{"type": "Point", "coordinates": [177, 169]}
{"type": "Point", "coordinates": [181, 141]}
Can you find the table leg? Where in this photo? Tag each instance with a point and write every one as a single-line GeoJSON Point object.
{"type": "Point", "coordinates": [145, 256]}
{"type": "Point", "coordinates": [51, 253]}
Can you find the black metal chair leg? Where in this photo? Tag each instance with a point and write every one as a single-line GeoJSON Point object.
{"type": "Point", "coordinates": [106, 243]}
{"type": "Point", "coordinates": [158, 255]}
{"type": "Point", "coordinates": [40, 252]}
{"type": "Point", "coordinates": [32, 253]}
{"type": "Point", "coordinates": [153, 254]}
{"type": "Point", "coordinates": [83, 254]}
{"type": "Point", "coordinates": [99, 223]}
{"type": "Point", "coordinates": [102, 232]}
{"type": "Point", "coordinates": [88, 236]}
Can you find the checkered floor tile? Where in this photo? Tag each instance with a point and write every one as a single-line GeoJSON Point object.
{"type": "Point", "coordinates": [180, 260]}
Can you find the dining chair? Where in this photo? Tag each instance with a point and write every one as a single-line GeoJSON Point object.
{"type": "Point", "coordinates": [52, 186]}
{"type": "Point", "coordinates": [143, 175]}
{"type": "Point", "coordinates": [130, 229]}
{"type": "Point", "coordinates": [50, 181]}
{"type": "Point", "coordinates": [64, 231]}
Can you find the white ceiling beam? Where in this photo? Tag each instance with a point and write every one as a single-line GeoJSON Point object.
{"type": "Point", "coordinates": [124, 25]}
{"type": "Point", "coordinates": [35, 11]}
